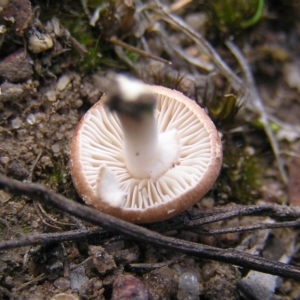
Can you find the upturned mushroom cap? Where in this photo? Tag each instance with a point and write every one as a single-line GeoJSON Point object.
{"type": "Point", "coordinates": [99, 171]}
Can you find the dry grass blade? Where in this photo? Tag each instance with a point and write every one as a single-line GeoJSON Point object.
{"type": "Point", "coordinates": [117, 42]}
{"type": "Point", "coordinates": [259, 107]}
{"type": "Point", "coordinates": [163, 14]}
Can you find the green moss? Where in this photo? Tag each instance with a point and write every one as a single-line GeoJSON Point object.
{"type": "Point", "coordinates": [15, 199]}
{"type": "Point", "coordinates": [72, 18]}
{"type": "Point", "coordinates": [233, 14]}
{"type": "Point", "coordinates": [132, 56]}
{"type": "Point", "coordinates": [259, 125]}
{"type": "Point", "coordinates": [223, 109]}
{"type": "Point", "coordinates": [55, 176]}
{"type": "Point", "coordinates": [92, 59]}
{"type": "Point", "coordinates": [240, 176]}
{"type": "Point", "coordinates": [26, 229]}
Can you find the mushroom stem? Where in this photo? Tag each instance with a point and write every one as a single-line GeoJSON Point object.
{"type": "Point", "coordinates": [147, 153]}
{"type": "Point", "coordinates": [140, 143]}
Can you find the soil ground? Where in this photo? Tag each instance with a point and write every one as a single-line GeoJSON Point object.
{"type": "Point", "coordinates": [52, 65]}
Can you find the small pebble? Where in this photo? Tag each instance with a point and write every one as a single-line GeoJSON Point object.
{"type": "Point", "coordinates": [128, 287]}
{"type": "Point", "coordinates": [64, 296]}
{"type": "Point", "coordinates": [63, 82]}
{"type": "Point", "coordinates": [188, 287]}
{"type": "Point", "coordinates": [55, 148]}
{"type": "Point", "coordinates": [16, 123]}
{"type": "Point", "coordinates": [78, 278]}
{"type": "Point", "coordinates": [102, 261]}
{"type": "Point", "coordinates": [62, 283]}
{"type": "Point", "coordinates": [16, 67]}
{"type": "Point", "coordinates": [51, 96]}
{"type": "Point", "coordinates": [40, 43]}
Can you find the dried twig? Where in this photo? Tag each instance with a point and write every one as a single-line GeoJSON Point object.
{"type": "Point", "coordinates": [30, 177]}
{"type": "Point", "coordinates": [38, 209]}
{"type": "Point", "coordinates": [193, 218]}
{"type": "Point", "coordinates": [206, 230]}
{"type": "Point", "coordinates": [72, 268]}
{"type": "Point", "coordinates": [155, 265]}
{"type": "Point", "coordinates": [217, 214]}
{"type": "Point", "coordinates": [235, 257]}
{"type": "Point", "coordinates": [48, 238]}
{"type": "Point", "coordinates": [36, 279]}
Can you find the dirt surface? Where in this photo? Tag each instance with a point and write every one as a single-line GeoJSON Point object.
{"type": "Point", "coordinates": [54, 56]}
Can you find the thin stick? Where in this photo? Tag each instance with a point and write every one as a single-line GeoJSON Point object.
{"type": "Point", "coordinates": [206, 230]}
{"type": "Point", "coordinates": [272, 210]}
{"type": "Point", "coordinates": [194, 218]}
{"type": "Point", "coordinates": [36, 279]}
{"type": "Point", "coordinates": [48, 238]}
{"type": "Point", "coordinates": [155, 265]}
{"type": "Point", "coordinates": [138, 51]}
{"type": "Point", "coordinates": [34, 165]}
{"type": "Point", "coordinates": [81, 264]}
{"type": "Point", "coordinates": [232, 256]}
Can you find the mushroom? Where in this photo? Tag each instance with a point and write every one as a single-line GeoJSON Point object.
{"type": "Point", "coordinates": [144, 153]}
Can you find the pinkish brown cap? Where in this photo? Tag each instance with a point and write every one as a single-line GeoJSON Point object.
{"type": "Point", "coordinates": [103, 181]}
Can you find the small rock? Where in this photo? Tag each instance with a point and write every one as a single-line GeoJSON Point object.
{"type": "Point", "coordinates": [258, 286]}
{"type": "Point", "coordinates": [19, 14]}
{"type": "Point", "coordinates": [78, 278]}
{"type": "Point", "coordinates": [16, 123]}
{"type": "Point", "coordinates": [102, 261]}
{"type": "Point", "coordinates": [64, 296]}
{"type": "Point", "coordinates": [4, 160]}
{"type": "Point", "coordinates": [78, 103]}
{"type": "Point", "coordinates": [92, 289]}
{"type": "Point", "coordinates": [62, 283]}
{"type": "Point", "coordinates": [11, 92]}
{"type": "Point", "coordinates": [207, 202]}
{"type": "Point", "coordinates": [35, 118]}
{"type": "Point", "coordinates": [51, 96]}
{"type": "Point", "coordinates": [161, 283]}
{"type": "Point", "coordinates": [16, 170]}
{"type": "Point", "coordinates": [128, 287]}
{"type": "Point", "coordinates": [16, 67]}
{"type": "Point", "coordinates": [63, 82]}
{"type": "Point", "coordinates": [46, 162]}
{"type": "Point", "coordinates": [55, 148]}
{"type": "Point", "coordinates": [188, 286]}
{"type": "Point", "coordinates": [40, 42]}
